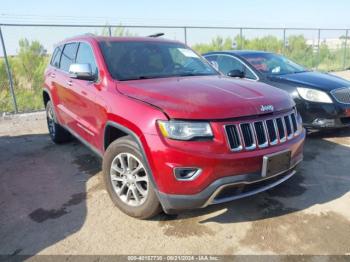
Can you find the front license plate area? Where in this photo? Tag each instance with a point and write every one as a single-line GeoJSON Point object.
{"type": "Point", "coordinates": [276, 163]}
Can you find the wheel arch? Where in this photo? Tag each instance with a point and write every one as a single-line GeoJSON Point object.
{"type": "Point", "coordinates": [124, 131]}
{"type": "Point", "coordinates": [46, 96]}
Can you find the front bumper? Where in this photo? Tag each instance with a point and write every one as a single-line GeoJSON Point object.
{"type": "Point", "coordinates": [224, 190]}
{"type": "Point", "coordinates": [322, 116]}
{"type": "Point", "coordinates": [220, 169]}
{"type": "Point", "coordinates": [214, 159]}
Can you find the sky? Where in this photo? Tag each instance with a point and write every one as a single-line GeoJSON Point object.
{"type": "Point", "coordinates": [243, 13]}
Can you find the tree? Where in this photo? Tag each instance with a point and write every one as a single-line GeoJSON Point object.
{"type": "Point", "coordinates": [3, 74]}
{"type": "Point", "coordinates": [217, 44]}
{"type": "Point", "coordinates": [266, 43]}
{"type": "Point", "coordinates": [297, 49]}
{"type": "Point", "coordinates": [30, 64]}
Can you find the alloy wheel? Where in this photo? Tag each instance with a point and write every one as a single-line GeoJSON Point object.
{"type": "Point", "coordinates": [129, 179]}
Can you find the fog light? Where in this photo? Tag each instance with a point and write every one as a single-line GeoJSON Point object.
{"type": "Point", "coordinates": [322, 122]}
{"type": "Point", "coordinates": [186, 173]}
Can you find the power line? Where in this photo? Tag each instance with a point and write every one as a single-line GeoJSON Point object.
{"type": "Point", "coordinates": [36, 18]}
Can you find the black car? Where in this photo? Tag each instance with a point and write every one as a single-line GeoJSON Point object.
{"type": "Point", "coordinates": [323, 100]}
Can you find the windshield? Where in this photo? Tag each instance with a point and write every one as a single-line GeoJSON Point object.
{"type": "Point", "coordinates": [272, 64]}
{"type": "Point", "coordinates": [144, 60]}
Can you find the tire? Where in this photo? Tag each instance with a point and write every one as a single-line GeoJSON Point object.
{"type": "Point", "coordinates": [132, 192]}
{"type": "Point", "coordinates": [57, 133]}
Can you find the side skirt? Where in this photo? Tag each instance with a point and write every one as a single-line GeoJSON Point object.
{"type": "Point", "coordinates": [82, 140]}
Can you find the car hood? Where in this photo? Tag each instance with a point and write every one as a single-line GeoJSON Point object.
{"type": "Point", "coordinates": [206, 97]}
{"type": "Point", "coordinates": [325, 82]}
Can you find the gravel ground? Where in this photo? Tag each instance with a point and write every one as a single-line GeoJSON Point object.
{"type": "Point", "coordinates": [53, 201]}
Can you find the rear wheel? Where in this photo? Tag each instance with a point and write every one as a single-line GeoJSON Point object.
{"type": "Point", "coordinates": [57, 133]}
{"type": "Point", "coordinates": [127, 180]}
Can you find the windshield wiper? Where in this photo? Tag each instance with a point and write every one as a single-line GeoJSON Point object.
{"type": "Point", "coordinates": [302, 71]}
{"type": "Point", "coordinates": [186, 74]}
{"type": "Point", "coordinates": [142, 77]}
{"type": "Point", "coordinates": [193, 74]}
{"type": "Point", "coordinates": [286, 73]}
{"type": "Point", "coordinates": [164, 76]}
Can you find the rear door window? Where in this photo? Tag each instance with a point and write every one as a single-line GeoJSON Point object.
{"type": "Point", "coordinates": [68, 56]}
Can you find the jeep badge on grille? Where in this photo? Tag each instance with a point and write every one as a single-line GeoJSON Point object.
{"type": "Point", "coordinates": [265, 108]}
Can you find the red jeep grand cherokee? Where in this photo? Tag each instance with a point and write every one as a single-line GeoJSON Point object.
{"type": "Point", "coordinates": [173, 132]}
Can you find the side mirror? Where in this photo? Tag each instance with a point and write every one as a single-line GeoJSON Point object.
{"type": "Point", "coordinates": [81, 71]}
{"type": "Point", "coordinates": [236, 73]}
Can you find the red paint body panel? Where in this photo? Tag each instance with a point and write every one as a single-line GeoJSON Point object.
{"type": "Point", "coordinates": [85, 108]}
{"type": "Point", "coordinates": [206, 97]}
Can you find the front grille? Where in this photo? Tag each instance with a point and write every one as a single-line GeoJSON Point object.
{"type": "Point", "coordinates": [271, 128]}
{"type": "Point", "coordinates": [287, 121]}
{"type": "Point", "coordinates": [248, 136]}
{"type": "Point", "coordinates": [280, 127]}
{"type": "Point", "coordinates": [260, 134]}
{"type": "Point", "coordinates": [233, 137]}
{"type": "Point", "coordinates": [342, 95]}
{"type": "Point", "coordinates": [294, 121]}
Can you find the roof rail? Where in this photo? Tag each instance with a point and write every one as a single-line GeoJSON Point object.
{"type": "Point", "coordinates": [86, 34]}
{"type": "Point", "coordinates": [156, 35]}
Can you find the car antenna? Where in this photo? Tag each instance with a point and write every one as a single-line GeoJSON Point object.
{"type": "Point", "coordinates": [156, 35]}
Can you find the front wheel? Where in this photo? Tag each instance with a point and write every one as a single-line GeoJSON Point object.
{"type": "Point", "coordinates": [57, 133]}
{"type": "Point", "coordinates": [127, 179]}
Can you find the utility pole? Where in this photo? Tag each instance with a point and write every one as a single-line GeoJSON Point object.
{"type": "Point", "coordinates": [8, 70]}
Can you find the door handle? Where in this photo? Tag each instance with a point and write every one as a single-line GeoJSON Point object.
{"type": "Point", "coordinates": [53, 75]}
{"type": "Point", "coordinates": [70, 82]}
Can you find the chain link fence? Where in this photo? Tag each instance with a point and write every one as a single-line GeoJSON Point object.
{"type": "Point", "coordinates": [26, 48]}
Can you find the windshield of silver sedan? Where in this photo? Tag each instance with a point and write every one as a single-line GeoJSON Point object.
{"type": "Point", "coordinates": [128, 60]}
{"type": "Point", "coordinates": [273, 64]}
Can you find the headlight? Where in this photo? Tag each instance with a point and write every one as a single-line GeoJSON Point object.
{"type": "Point", "coordinates": [183, 130]}
{"type": "Point", "coordinates": [314, 95]}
